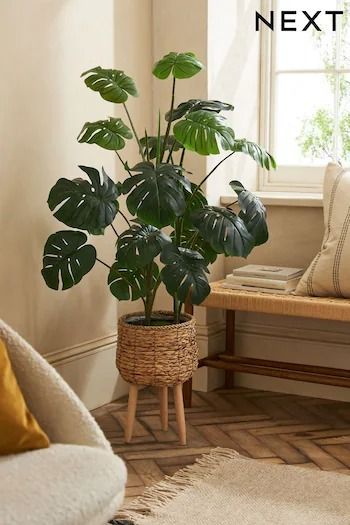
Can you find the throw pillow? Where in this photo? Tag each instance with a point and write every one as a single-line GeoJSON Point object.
{"type": "Point", "coordinates": [19, 430]}
{"type": "Point", "coordinates": [329, 273]}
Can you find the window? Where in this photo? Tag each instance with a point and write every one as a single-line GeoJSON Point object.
{"type": "Point", "coordinates": [305, 95]}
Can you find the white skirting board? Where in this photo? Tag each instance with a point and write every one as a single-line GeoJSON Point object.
{"type": "Point", "coordinates": [90, 370]}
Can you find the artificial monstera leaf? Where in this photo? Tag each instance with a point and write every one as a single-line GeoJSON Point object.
{"type": "Point", "coordinates": [85, 205]}
{"type": "Point", "coordinates": [112, 84]}
{"type": "Point", "coordinates": [67, 259]}
{"type": "Point", "coordinates": [129, 284]}
{"type": "Point", "coordinates": [195, 104]}
{"type": "Point", "coordinates": [156, 194]}
{"type": "Point", "coordinates": [181, 65]}
{"type": "Point", "coordinates": [225, 232]}
{"type": "Point", "coordinates": [204, 132]}
{"type": "Point", "coordinates": [184, 273]}
{"type": "Point", "coordinates": [194, 200]}
{"type": "Point", "coordinates": [139, 245]}
{"type": "Point", "coordinates": [192, 239]}
{"type": "Point", "coordinates": [253, 213]}
{"type": "Point", "coordinates": [150, 144]}
{"type": "Point", "coordinates": [109, 134]}
{"type": "Point", "coordinates": [256, 152]}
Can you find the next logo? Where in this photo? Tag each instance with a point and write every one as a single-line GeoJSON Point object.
{"type": "Point", "coordinates": [288, 20]}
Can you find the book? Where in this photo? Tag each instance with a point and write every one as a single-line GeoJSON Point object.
{"type": "Point", "coordinates": [246, 288]}
{"type": "Point", "coordinates": [280, 273]}
{"type": "Point", "coordinates": [263, 283]}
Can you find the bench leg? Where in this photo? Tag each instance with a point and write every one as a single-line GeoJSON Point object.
{"type": "Point", "coordinates": [187, 393]}
{"type": "Point", "coordinates": [230, 345]}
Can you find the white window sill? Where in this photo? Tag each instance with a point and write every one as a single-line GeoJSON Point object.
{"type": "Point", "coordinates": [310, 200]}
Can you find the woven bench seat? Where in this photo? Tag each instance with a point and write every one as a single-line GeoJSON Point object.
{"type": "Point", "coordinates": [335, 309]}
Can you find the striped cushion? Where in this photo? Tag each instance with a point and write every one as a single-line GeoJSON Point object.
{"type": "Point", "coordinates": [329, 272]}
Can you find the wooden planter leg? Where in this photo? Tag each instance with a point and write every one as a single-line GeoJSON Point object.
{"type": "Point", "coordinates": [163, 398]}
{"type": "Point", "coordinates": [180, 413]}
{"type": "Point", "coordinates": [131, 412]}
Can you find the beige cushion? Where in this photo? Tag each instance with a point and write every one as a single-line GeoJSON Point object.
{"type": "Point", "coordinates": [329, 272]}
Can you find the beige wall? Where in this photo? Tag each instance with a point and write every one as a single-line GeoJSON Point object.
{"type": "Point", "coordinates": [45, 45]}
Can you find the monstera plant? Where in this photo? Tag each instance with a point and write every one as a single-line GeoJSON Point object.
{"type": "Point", "coordinates": [171, 234]}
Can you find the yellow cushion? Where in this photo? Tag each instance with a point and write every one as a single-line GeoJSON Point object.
{"type": "Point", "coordinates": [19, 430]}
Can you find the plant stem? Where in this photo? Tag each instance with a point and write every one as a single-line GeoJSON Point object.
{"type": "Point", "coordinates": [149, 294]}
{"type": "Point", "coordinates": [125, 218]}
{"type": "Point", "coordinates": [147, 150]}
{"type": "Point", "coordinates": [193, 240]}
{"type": "Point", "coordinates": [115, 231]}
{"type": "Point", "coordinates": [178, 230]}
{"type": "Point", "coordinates": [177, 309]}
{"type": "Point", "coordinates": [135, 134]}
{"type": "Point", "coordinates": [231, 204]}
{"type": "Point", "coordinates": [182, 156]}
{"type": "Point", "coordinates": [210, 173]}
{"type": "Point", "coordinates": [170, 156]}
{"type": "Point", "coordinates": [155, 288]}
{"type": "Point", "coordinates": [167, 132]}
{"type": "Point", "coordinates": [104, 264]}
{"type": "Point", "coordinates": [124, 164]}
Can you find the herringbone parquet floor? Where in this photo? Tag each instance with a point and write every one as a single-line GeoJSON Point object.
{"type": "Point", "coordinates": [271, 427]}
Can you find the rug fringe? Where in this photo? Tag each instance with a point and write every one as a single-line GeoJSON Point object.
{"type": "Point", "coordinates": [156, 497]}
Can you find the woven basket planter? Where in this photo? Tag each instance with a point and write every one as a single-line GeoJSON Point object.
{"type": "Point", "coordinates": [157, 355]}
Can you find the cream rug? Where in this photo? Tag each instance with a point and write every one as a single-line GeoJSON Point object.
{"type": "Point", "coordinates": [224, 488]}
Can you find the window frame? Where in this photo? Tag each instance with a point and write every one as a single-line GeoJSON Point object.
{"type": "Point", "coordinates": [288, 178]}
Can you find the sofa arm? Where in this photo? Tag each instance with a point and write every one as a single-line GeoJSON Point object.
{"type": "Point", "coordinates": [57, 408]}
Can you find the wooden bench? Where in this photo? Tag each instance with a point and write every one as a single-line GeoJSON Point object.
{"type": "Point", "coordinates": [332, 309]}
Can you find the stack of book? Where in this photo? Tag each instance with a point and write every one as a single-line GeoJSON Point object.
{"type": "Point", "coordinates": [269, 279]}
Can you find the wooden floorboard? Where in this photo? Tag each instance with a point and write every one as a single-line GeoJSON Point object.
{"type": "Point", "coordinates": [269, 426]}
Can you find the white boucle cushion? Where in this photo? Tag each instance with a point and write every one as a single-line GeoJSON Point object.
{"type": "Point", "coordinates": [61, 485]}
{"type": "Point", "coordinates": [329, 273]}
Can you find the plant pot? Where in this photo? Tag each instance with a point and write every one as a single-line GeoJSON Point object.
{"type": "Point", "coordinates": [156, 355]}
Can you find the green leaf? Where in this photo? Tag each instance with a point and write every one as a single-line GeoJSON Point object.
{"type": "Point", "coordinates": [150, 143]}
{"type": "Point", "coordinates": [156, 194]}
{"type": "Point", "coordinates": [204, 132]}
{"type": "Point", "coordinates": [84, 205]}
{"type": "Point", "coordinates": [192, 239]}
{"type": "Point", "coordinates": [184, 273]}
{"type": "Point", "coordinates": [129, 284]}
{"type": "Point", "coordinates": [225, 232]}
{"type": "Point", "coordinates": [67, 259]}
{"type": "Point", "coordinates": [109, 134]}
{"type": "Point", "coordinates": [196, 104]}
{"type": "Point", "coordinates": [253, 213]}
{"type": "Point", "coordinates": [112, 84]}
{"type": "Point", "coordinates": [126, 284]}
{"type": "Point", "coordinates": [181, 65]}
{"type": "Point", "coordinates": [256, 152]}
{"type": "Point", "coordinates": [194, 200]}
{"type": "Point", "coordinates": [139, 245]}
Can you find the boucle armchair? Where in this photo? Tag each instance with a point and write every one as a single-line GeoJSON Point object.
{"type": "Point", "coordinates": [77, 480]}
